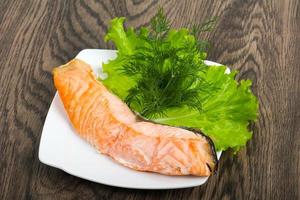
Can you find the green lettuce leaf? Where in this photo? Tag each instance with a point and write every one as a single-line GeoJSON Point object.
{"type": "Point", "coordinates": [226, 112]}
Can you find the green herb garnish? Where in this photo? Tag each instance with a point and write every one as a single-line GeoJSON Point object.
{"type": "Point", "coordinates": [160, 73]}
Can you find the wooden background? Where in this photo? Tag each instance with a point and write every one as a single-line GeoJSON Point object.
{"type": "Point", "coordinates": [260, 38]}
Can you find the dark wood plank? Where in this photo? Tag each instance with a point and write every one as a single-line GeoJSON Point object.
{"type": "Point", "coordinates": [259, 38]}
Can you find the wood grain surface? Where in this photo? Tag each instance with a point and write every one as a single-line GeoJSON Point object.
{"type": "Point", "coordinates": [259, 38]}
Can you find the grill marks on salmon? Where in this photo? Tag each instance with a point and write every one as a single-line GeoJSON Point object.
{"type": "Point", "coordinates": [109, 125]}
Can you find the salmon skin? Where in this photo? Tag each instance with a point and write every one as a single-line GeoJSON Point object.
{"type": "Point", "coordinates": [109, 125]}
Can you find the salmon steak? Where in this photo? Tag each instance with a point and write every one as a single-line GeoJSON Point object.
{"type": "Point", "coordinates": [107, 123]}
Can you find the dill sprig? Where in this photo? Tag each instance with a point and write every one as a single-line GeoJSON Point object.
{"type": "Point", "coordinates": [207, 26]}
{"type": "Point", "coordinates": [166, 75]}
{"type": "Point", "coordinates": [160, 25]}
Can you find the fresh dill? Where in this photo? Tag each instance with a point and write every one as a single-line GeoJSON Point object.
{"type": "Point", "coordinates": [207, 26]}
{"type": "Point", "coordinates": [160, 25]}
{"type": "Point", "coordinates": [166, 73]}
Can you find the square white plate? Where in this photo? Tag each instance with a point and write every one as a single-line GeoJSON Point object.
{"type": "Point", "coordinates": [62, 148]}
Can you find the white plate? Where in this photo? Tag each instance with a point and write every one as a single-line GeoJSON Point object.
{"type": "Point", "coordinates": [62, 148]}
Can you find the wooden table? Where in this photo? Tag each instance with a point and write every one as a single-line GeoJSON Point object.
{"type": "Point", "coordinates": [260, 39]}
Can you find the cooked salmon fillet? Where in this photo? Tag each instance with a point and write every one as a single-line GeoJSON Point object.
{"type": "Point", "coordinates": [109, 125]}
